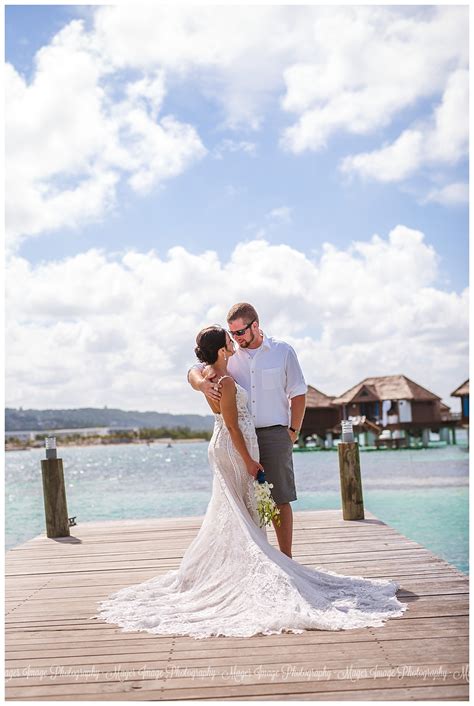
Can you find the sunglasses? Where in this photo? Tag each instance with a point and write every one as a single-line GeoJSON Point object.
{"type": "Point", "coordinates": [241, 331]}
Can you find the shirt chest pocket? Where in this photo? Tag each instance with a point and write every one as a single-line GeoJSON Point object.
{"type": "Point", "coordinates": [270, 378]}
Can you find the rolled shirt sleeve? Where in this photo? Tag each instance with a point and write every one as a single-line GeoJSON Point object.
{"type": "Point", "coordinates": [196, 366]}
{"type": "Point", "coordinates": [295, 382]}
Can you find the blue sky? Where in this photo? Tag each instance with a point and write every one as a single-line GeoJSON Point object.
{"type": "Point", "coordinates": [261, 161]}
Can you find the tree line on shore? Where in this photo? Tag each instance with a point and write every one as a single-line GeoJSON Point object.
{"type": "Point", "coordinates": [120, 436]}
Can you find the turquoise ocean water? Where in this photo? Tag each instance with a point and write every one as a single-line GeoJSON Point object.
{"type": "Point", "coordinates": [421, 493]}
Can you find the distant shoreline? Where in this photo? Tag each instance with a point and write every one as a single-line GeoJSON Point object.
{"type": "Point", "coordinates": [89, 442]}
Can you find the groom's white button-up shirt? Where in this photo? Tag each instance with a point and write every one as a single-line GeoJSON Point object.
{"type": "Point", "coordinates": [271, 375]}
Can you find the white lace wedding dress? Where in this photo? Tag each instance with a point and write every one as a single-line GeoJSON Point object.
{"type": "Point", "coordinates": [233, 582]}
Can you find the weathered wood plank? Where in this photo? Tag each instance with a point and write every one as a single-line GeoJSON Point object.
{"type": "Point", "coordinates": [52, 588]}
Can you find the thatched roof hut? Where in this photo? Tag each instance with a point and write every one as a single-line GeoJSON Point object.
{"type": "Point", "coordinates": [461, 390]}
{"type": "Point", "coordinates": [386, 387]}
{"type": "Point", "coordinates": [316, 398]}
{"type": "Point", "coordinates": [320, 415]}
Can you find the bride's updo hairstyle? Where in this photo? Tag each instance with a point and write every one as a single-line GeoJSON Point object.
{"type": "Point", "coordinates": [209, 341]}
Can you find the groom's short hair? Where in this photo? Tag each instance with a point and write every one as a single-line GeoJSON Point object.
{"type": "Point", "coordinates": [242, 310]}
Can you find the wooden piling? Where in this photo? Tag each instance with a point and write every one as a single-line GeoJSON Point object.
{"type": "Point", "coordinates": [351, 483]}
{"type": "Point", "coordinates": [54, 496]}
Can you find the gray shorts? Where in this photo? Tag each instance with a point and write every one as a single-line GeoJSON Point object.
{"type": "Point", "coordinates": [276, 457]}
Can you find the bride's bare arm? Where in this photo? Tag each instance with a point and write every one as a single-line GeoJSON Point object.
{"type": "Point", "coordinates": [231, 420]}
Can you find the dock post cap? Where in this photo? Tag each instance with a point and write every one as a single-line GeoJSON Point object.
{"type": "Point", "coordinates": [347, 430]}
{"type": "Point", "coordinates": [50, 445]}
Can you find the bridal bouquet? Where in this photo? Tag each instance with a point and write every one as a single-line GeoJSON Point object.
{"type": "Point", "coordinates": [266, 507]}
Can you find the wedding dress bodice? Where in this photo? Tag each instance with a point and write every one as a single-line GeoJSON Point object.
{"type": "Point", "coordinates": [233, 582]}
{"type": "Point", "coordinates": [246, 424]}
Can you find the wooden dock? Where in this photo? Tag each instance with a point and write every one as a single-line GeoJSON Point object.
{"type": "Point", "coordinates": [55, 652]}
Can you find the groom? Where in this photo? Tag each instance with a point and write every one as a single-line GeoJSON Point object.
{"type": "Point", "coordinates": [270, 373]}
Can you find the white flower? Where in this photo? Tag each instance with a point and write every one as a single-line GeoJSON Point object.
{"type": "Point", "coordinates": [266, 507]}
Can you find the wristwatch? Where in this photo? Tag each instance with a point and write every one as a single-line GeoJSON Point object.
{"type": "Point", "coordinates": [295, 431]}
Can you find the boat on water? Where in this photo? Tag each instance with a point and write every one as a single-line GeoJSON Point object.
{"type": "Point", "coordinates": [300, 449]}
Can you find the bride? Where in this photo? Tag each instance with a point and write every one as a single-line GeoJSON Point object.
{"type": "Point", "coordinates": [231, 580]}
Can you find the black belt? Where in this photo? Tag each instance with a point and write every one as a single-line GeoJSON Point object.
{"type": "Point", "coordinates": [275, 426]}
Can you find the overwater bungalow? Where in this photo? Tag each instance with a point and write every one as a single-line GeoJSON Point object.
{"type": "Point", "coordinates": [463, 392]}
{"type": "Point", "coordinates": [391, 400]}
{"type": "Point", "coordinates": [320, 415]}
{"type": "Point", "coordinates": [392, 404]}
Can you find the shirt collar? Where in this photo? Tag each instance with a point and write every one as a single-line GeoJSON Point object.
{"type": "Point", "coordinates": [266, 341]}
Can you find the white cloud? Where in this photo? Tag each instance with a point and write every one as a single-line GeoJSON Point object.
{"type": "Point", "coordinates": [448, 140]}
{"type": "Point", "coordinates": [149, 89]}
{"type": "Point", "coordinates": [280, 215]}
{"type": "Point", "coordinates": [238, 52]}
{"type": "Point", "coordinates": [367, 65]}
{"type": "Point", "coordinates": [232, 146]}
{"type": "Point", "coordinates": [232, 191]}
{"type": "Point", "coordinates": [122, 330]}
{"type": "Point", "coordinates": [450, 195]}
{"type": "Point", "coordinates": [160, 150]}
{"type": "Point", "coordinates": [69, 143]}
{"type": "Point", "coordinates": [391, 163]}
{"type": "Point", "coordinates": [442, 140]}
